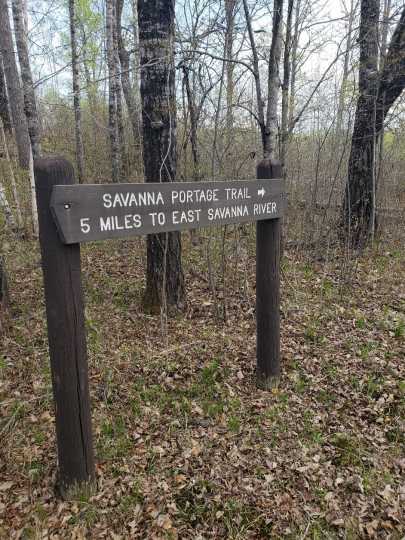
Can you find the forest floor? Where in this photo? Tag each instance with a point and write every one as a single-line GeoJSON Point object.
{"type": "Point", "coordinates": [186, 446]}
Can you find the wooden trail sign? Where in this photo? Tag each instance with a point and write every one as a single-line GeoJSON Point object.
{"type": "Point", "coordinates": [70, 213]}
{"type": "Point", "coordinates": [90, 212]}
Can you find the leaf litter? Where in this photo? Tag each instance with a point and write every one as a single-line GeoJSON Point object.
{"type": "Point", "coordinates": [186, 446]}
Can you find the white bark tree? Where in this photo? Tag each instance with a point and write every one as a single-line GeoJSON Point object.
{"type": "Point", "coordinates": [113, 92]}
{"type": "Point", "coordinates": [76, 91]}
{"type": "Point", "coordinates": [30, 104]}
{"type": "Point", "coordinates": [14, 90]}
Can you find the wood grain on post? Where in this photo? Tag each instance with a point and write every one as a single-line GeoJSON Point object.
{"type": "Point", "coordinates": [268, 236]}
{"type": "Point", "coordinates": [66, 333]}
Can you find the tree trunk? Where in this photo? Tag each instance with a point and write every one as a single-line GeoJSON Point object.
{"type": "Point", "coordinates": [6, 156]}
{"type": "Point", "coordinates": [268, 125]}
{"type": "Point", "coordinates": [215, 161]}
{"type": "Point", "coordinates": [294, 63]}
{"type": "Point", "coordinates": [3, 285]}
{"type": "Point", "coordinates": [76, 92]}
{"type": "Point", "coordinates": [345, 76]}
{"type": "Point", "coordinates": [120, 125]}
{"type": "Point", "coordinates": [193, 124]}
{"type": "Point", "coordinates": [384, 31]}
{"type": "Point", "coordinates": [4, 106]}
{"type": "Point", "coordinates": [112, 92]}
{"type": "Point", "coordinates": [35, 225]}
{"type": "Point", "coordinates": [359, 199]}
{"type": "Point", "coordinates": [378, 92]}
{"type": "Point", "coordinates": [31, 112]}
{"type": "Point", "coordinates": [286, 87]}
{"type": "Point", "coordinates": [4, 297]}
{"type": "Point", "coordinates": [164, 280]}
{"type": "Point", "coordinates": [383, 53]}
{"type": "Point", "coordinates": [229, 38]}
{"type": "Point", "coordinates": [129, 95]}
{"type": "Point", "coordinates": [118, 90]}
{"type": "Point", "coordinates": [91, 91]}
{"type": "Point", "coordinates": [255, 66]}
{"type": "Point", "coordinates": [6, 209]}
{"type": "Point", "coordinates": [392, 77]}
{"type": "Point", "coordinates": [136, 64]}
{"type": "Point", "coordinates": [14, 91]}
{"type": "Point", "coordinates": [269, 150]}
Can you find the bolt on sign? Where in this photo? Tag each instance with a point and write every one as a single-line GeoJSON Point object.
{"type": "Point", "coordinates": [86, 212]}
{"type": "Point", "coordinates": [69, 214]}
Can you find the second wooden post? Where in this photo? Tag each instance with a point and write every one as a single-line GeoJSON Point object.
{"type": "Point", "coordinates": [268, 240]}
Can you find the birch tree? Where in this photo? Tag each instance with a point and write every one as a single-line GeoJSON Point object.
{"type": "Point", "coordinates": [164, 279]}
{"type": "Point", "coordinates": [7, 210]}
{"type": "Point", "coordinates": [127, 89]}
{"type": "Point", "coordinates": [4, 105]}
{"type": "Point", "coordinates": [76, 91]}
{"type": "Point", "coordinates": [113, 90]}
{"type": "Point", "coordinates": [118, 96]}
{"type": "Point", "coordinates": [30, 105]}
{"type": "Point", "coordinates": [16, 100]}
{"type": "Point", "coordinates": [14, 90]}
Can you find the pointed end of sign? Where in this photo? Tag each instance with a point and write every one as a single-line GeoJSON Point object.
{"type": "Point", "coordinates": [53, 204]}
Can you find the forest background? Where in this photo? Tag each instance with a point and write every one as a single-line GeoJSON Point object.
{"type": "Point", "coordinates": [204, 89]}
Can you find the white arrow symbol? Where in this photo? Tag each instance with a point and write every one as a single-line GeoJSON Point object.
{"type": "Point", "coordinates": [261, 192]}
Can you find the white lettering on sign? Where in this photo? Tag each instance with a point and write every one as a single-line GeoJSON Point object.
{"type": "Point", "coordinates": [226, 212]}
{"type": "Point", "coordinates": [264, 208]}
{"type": "Point", "coordinates": [234, 194]}
{"type": "Point", "coordinates": [90, 212]}
{"type": "Point", "coordinates": [117, 223]}
{"type": "Point", "coordinates": [158, 218]}
{"type": "Point", "coordinates": [194, 195]}
{"type": "Point", "coordinates": [146, 198]}
{"type": "Point", "coordinates": [85, 225]}
{"type": "Point", "coordinates": [185, 216]}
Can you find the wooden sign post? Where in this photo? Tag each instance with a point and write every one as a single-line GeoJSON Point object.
{"type": "Point", "coordinates": [70, 214]}
{"type": "Point", "coordinates": [66, 333]}
{"type": "Point", "coordinates": [268, 239]}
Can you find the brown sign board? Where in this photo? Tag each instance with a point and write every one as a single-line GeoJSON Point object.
{"type": "Point", "coordinates": [89, 212]}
